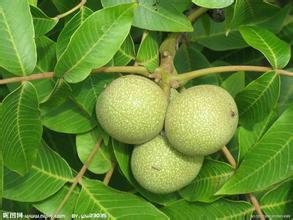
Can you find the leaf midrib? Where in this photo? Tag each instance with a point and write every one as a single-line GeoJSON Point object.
{"type": "Point", "coordinates": [275, 62]}
{"type": "Point", "coordinates": [260, 96]}
{"type": "Point", "coordinates": [96, 43]}
{"type": "Point", "coordinates": [51, 174]}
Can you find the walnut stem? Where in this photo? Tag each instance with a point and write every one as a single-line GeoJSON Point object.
{"type": "Point", "coordinates": [78, 177]}
{"type": "Point", "coordinates": [82, 3]}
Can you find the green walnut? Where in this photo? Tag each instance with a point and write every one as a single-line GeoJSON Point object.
{"type": "Point", "coordinates": [201, 120]}
{"type": "Point", "coordinates": [132, 109]}
{"type": "Point", "coordinates": [159, 168]}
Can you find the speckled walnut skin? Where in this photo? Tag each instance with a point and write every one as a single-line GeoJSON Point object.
{"type": "Point", "coordinates": [201, 120]}
{"type": "Point", "coordinates": [132, 109]}
{"type": "Point", "coordinates": [159, 168]}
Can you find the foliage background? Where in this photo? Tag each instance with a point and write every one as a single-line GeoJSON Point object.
{"type": "Point", "coordinates": [48, 126]}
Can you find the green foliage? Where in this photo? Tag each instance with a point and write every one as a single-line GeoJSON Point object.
{"type": "Point", "coordinates": [222, 209]}
{"type": "Point", "coordinates": [96, 45]}
{"type": "Point", "coordinates": [48, 125]}
{"type": "Point", "coordinates": [269, 160]}
{"type": "Point", "coordinates": [17, 49]}
{"type": "Point", "coordinates": [275, 50]}
{"type": "Point", "coordinates": [21, 128]}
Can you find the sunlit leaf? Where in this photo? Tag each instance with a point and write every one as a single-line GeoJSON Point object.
{"type": "Point", "coordinates": [96, 45]}
{"type": "Point", "coordinates": [268, 162]}
{"type": "Point", "coordinates": [234, 83]}
{"type": "Point", "coordinates": [70, 28]}
{"type": "Point", "coordinates": [279, 200]}
{"type": "Point", "coordinates": [49, 205]}
{"type": "Point", "coordinates": [21, 129]}
{"type": "Point", "coordinates": [148, 52]}
{"type": "Point", "coordinates": [211, 177]}
{"type": "Point", "coordinates": [152, 15]}
{"type": "Point", "coordinates": [276, 51]}
{"type": "Point", "coordinates": [126, 53]}
{"type": "Point", "coordinates": [221, 209]}
{"type": "Point", "coordinates": [114, 204]}
{"type": "Point", "coordinates": [248, 137]}
{"type": "Point", "coordinates": [213, 3]}
{"type": "Point", "coordinates": [256, 100]}
{"type": "Point", "coordinates": [102, 162]}
{"type": "Point", "coordinates": [42, 23]}
{"type": "Point", "coordinates": [47, 175]}
{"type": "Point", "coordinates": [17, 48]}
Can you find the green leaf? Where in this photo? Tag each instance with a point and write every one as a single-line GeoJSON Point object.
{"type": "Point", "coordinates": [221, 209]}
{"type": "Point", "coordinates": [148, 52]}
{"type": "Point", "coordinates": [154, 16]}
{"type": "Point", "coordinates": [70, 27]}
{"type": "Point", "coordinates": [215, 38]}
{"type": "Point", "coordinates": [268, 162]}
{"type": "Point", "coordinates": [47, 175]}
{"type": "Point", "coordinates": [213, 3]}
{"type": "Point", "coordinates": [126, 53]}
{"type": "Point", "coordinates": [234, 83]}
{"type": "Point", "coordinates": [211, 177]}
{"type": "Point", "coordinates": [248, 137]}
{"type": "Point", "coordinates": [114, 204]}
{"type": "Point", "coordinates": [276, 51]}
{"type": "Point", "coordinates": [96, 45]}
{"type": "Point", "coordinates": [21, 129]}
{"type": "Point", "coordinates": [102, 162]}
{"type": "Point", "coordinates": [86, 92]}
{"type": "Point", "coordinates": [286, 95]}
{"type": "Point", "coordinates": [122, 153]}
{"type": "Point", "coordinates": [17, 49]}
{"type": "Point", "coordinates": [42, 23]}
{"type": "Point", "coordinates": [279, 200]}
{"type": "Point", "coordinates": [256, 100]}
{"type": "Point", "coordinates": [50, 205]}
{"type": "Point", "coordinates": [189, 58]}
{"type": "Point", "coordinates": [46, 49]}
{"type": "Point", "coordinates": [248, 12]}
{"type": "Point", "coordinates": [68, 117]}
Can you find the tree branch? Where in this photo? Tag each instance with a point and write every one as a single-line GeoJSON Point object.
{"type": "Point", "coordinates": [252, 198]}
{"type": "Point", "coordinates": [82, 2]}
{"type": "Point", "coordinates": [78, 177]}
{"type": "Point", "coordinates": [194, 15]}
{"type": "Point", "coordinates": [229, 157]}
{"type": "Point", "coordinates": [45, 75]}
{"type": "Point", "coordinates": [109, 174]}
{"type": "Point", "coordinates": [206, 71]}
{"type": "Point", "coordinates": [111, 69]}
{"type": "Point", "coordinates": [256, 205]}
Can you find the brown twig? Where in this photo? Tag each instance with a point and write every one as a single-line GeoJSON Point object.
{"type": "Point", "coordinates": [45, 75]}
{"type": "Point", "coordinates": [143, 71]}
{"type": "Point", "coordinates": [109, 174]}
{"type": "Point", "coordinates": [229, 157]}
{"type": "Point", "coordinates": [252, 198]}
{"type": "Point", "coordinates": [78, 177]}
{"type": "Point", "coordinates": [256, 206]}
{"type": "Point", "coordinates": [82, 2]}
{"type": "Point", "coordinates": [220, 69]}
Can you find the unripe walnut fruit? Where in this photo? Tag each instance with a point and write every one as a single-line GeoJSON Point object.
{"type": "Point", "coordinates": [132, 109]}
{"type": "Point", "coordinates": [201, 120]}
{"type": "Point", "coordinates": [159, 168]}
